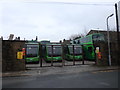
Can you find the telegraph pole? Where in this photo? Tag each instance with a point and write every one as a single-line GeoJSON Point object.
{"type": "Point", "coordinates": [117, 26]}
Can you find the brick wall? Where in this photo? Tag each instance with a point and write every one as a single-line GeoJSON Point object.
{"type": "Point", "coordinates": [104, 51]}
{"type": "Point", "coordinates": [9, 56]}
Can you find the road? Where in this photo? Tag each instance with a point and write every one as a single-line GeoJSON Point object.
{"type": "Point", "coordinates": [89, 79]}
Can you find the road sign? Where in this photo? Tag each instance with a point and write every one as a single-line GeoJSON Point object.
{"type": "Point", "coordinates": [99, 55]}
{"type": "Point", "coordinates": [97, 50]}
{"type": "Point", "coordinates": [20, 55]}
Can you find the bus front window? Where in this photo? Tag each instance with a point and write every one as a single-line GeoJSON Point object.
{"type": "Point", "coordinates": [78, 50]}
{"type": "Point", "coordinates": [32, 51]}
{"type": "Point", "coordinates": [57, 51]}
{"type": "Point", "coordinates": [98, 37]}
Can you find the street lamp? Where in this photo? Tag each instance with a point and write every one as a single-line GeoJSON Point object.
{"type": "Point", "coordinates": [109, 40]}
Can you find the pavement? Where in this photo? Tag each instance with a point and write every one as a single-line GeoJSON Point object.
{"type": "Point", "coordinates": [58, 70]}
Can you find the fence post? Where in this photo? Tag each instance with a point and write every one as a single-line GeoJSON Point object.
{"type": "Point", "coordinates": [82, 56]}
{"type": "Point", "coordinates": [63, 61]}
{"type": "Point", "coordinates": [52, 56]}
{"type": "Point", "coordinates": [40, 57]}
{"type": "Point", "coordinates": [73, 56]}
{"type": "Point", "coordinates": [25, 55]}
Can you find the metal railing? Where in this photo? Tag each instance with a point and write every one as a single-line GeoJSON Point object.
{"type": "Point", "coordinates": [43, 63]}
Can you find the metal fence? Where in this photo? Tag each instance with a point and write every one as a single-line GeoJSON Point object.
{"type": "Point", "coordinates": [63, 62]}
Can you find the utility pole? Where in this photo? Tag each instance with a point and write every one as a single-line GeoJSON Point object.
{"type": "Point", "coordinates": [117, 26]}
{"type": "Point", "coordinates": [108, 36]}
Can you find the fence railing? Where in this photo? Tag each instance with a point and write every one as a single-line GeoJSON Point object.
{"type": "Point", "coordinates": [63, 61]}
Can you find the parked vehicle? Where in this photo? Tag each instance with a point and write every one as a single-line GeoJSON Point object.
{"type": "Point", "coordinates": [87, 43]}
{"type": "Point", "coordinates": [73, 52]}
{"type": "Point", "coordinates": [51, 52]}
{"type": "Point", "coordinates": [32, 52]}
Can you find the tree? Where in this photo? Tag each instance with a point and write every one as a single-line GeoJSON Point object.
{"type": "Point", "coordinates": [79, 35]}
{"type": "Point", "coordinates": [76, 36]}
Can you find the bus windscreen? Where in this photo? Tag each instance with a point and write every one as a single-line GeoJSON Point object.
{"type": "Point", "coordinates": [32, 51]}
{"type": "Point", "coordinates": [77, 50]}
{"type": "Point", "coordinates": [57, 50]}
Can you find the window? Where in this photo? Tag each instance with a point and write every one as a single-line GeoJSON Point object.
{"type": "Point", "coordinates": [32, 50]}
{"type": "Point", "coordinates": [74, 42]}
{"type": "Point", "coordinates": [86, 39]}
{"type": "Point", "coordinates": [98, 37]}
{"type": "Point", "coordinates": [57, 50]}
{"type": "Point", "coordinates": [77, 50]}
{"type": "Point", "coordinates": [78, 42]}
{"type": "Point", "coordinates": [70, 49]}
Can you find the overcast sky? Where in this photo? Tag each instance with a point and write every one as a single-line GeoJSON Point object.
{"type": "Point", "coordinates": [54, 21]}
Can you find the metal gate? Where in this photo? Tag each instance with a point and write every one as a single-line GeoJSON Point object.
{"type": "Point", "coordinates": [42, 53]}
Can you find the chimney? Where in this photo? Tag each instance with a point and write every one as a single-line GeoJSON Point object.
{"type": "Point", "coordinates": [1, 38]}
{"type": "Point", "coordinates": [60, 41]}
{"type": "Point", "coordinates": [18, 38]}
{"type": "Point", "coordinates": [11, 37]}
{"type": "Point", "coordinates": [36, 38]}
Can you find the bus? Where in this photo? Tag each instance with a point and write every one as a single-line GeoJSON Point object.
{"type": "Point", "coordinates": [51, 52]}
{"type": "Point", "coordinates": [88, 45]}
{"type": "Point", "coordinates": [45, 42]}
{"type": "Point", "coordinates": [69, 54]}
{"type": "Point", "coordinates": [32, 52]}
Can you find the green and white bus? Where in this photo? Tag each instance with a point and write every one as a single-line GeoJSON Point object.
{"type": "Point", "coordinates": [32, 52]}
{"type": "Point", "coordinates": [52, 52]}
{"type": "Point", "coordinates": [73, 52]}
{"type": "Point", "coordinates": [88, 44]}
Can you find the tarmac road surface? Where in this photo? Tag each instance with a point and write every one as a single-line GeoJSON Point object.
{"type": "Point", "coordinates": [88, 79]}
